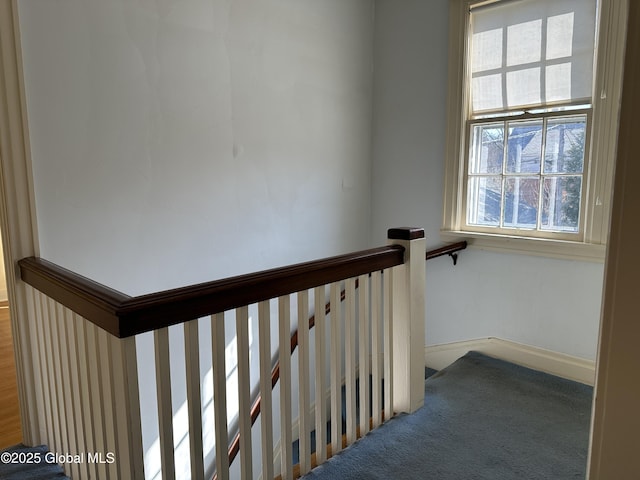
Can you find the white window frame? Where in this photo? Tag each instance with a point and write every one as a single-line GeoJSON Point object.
{"type": "Point", "coordinates": [590, 242]}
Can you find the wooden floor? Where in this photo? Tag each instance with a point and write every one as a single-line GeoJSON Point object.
{"type": "Point", "coordinates": [10, 432]}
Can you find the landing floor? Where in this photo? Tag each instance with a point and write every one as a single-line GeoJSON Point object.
{"type": "Point", "coordinates": [10, 429]}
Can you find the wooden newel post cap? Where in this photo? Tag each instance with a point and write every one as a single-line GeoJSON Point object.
{"type": "Point", "coordinates": [405, 233]}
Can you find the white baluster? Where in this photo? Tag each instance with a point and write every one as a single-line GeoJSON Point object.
{"type": "Point", "coordinates": [54, 434]}
{"type": "Point", "coordinates": [85, 393]}
{"type": "Point", "coordinates": [220, 395]}
{"type": "Point", "coordinates": [303, 383]}
{"type": "Point", "coordinates": [335, 366]}
{"type": "Point", "coordinates": [350, 358]}
{"type": "Point", "coordinates": [387, 321]}
{"type": "Point", "coordinates": [376, 344]}
{"type": "Point", "coordinates": [79, 470]}
{"type": "Point", "coordinates": [286, 441]}
{"type": "Point", "coordinates": [244, 392]}
{"type": "Point", "coordinates": [126, 400]}
{"type": "Point", "coordinates": [363, 350]}
{"type": "Point", "coordinates": [266, 407]}
{"type": "Point", "coordinates": [102, 339]}
{"type": "Point", "coordinates": [320, 341]}
{"type": "Point", "coordinates": [194, 401]}
{"type": "Point", "coordinates": [57, 340]}
{"type": "Point", "coordinates": [97, 394]}
{"type": "Point", "coordinates": [165, 410]}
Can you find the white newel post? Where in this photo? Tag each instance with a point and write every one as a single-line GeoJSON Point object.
{"type": "Point", "coordinates": [408, 319]}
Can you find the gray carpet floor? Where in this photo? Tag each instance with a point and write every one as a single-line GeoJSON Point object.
{"type": "Point", "coordinates": [483, 419]}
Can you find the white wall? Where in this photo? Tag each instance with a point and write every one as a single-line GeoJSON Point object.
{"type": "Point", "coordinates": [548, 303]}
{"type": "Point", "coordinates": [176, 142]}
{"type": "Point", "coordinates": [184, 141]}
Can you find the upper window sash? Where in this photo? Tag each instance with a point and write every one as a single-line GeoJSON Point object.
{"type": "Point", "coordinates": [530, 53]}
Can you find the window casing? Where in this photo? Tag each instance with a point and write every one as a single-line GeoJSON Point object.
{"type": "Point", "coordinates": [524, 170]}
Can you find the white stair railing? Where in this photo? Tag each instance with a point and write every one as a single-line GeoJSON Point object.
{"type": "Point", "coordinates": [88, 376]}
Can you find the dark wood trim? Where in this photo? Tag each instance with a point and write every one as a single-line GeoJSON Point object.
{"type": "Point", "coordinates": [446, 250]}
{"type": "Point", "coordinates": [124, 316]}
{"type": "Point", "coordinates": [95, 302]}
{"type": "Point", "coordinates": [146, 312]}
{"type": "Point", "coordinates": [405, 233]}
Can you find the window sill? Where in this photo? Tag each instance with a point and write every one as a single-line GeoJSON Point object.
{"type": "Point", "coordinates": [567, 250]}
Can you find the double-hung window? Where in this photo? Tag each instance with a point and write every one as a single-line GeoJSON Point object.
{"type": "Point", "coordinates": [532, 123]}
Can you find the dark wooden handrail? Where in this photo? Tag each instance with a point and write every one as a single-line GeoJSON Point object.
{"type": "Point", "coordinates": [446, 250]}
{"type": "Point", "coordinates": [124, 316]}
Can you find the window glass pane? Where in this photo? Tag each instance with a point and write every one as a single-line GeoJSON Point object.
{"type": "Point", "coordinates": [487, 148]}
{"type": "Point", "coordinates": [561, 203]}
{"type": "Point", "coordinates": [484, 194]}
{"type": "Point", "coordinates": [521, 196]}
{"type": "Point", "coordinates": [531, 52]}
{"type": "Point", "coordinates": [564, 151]}
{"type": "Point", "coordinates": [524, 147]}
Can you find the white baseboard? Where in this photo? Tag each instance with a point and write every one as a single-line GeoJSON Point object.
{"type": "Point", "coordinates": [560, 364]}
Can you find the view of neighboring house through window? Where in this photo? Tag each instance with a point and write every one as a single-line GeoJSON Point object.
{"type": "Point", "coordinates": [530, 82]}
{"type": "Point", "coordinates": [527, 174]}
